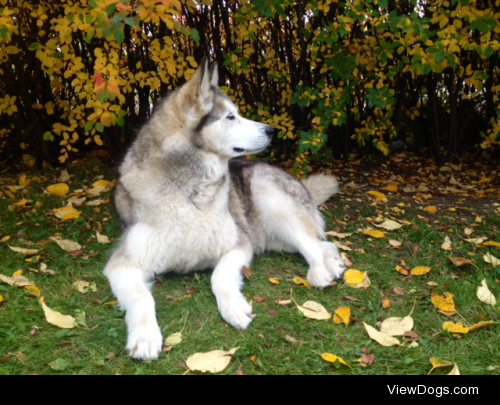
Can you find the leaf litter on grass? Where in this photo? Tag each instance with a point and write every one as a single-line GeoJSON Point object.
{"type": "Point", "coordinates": [354, 244]}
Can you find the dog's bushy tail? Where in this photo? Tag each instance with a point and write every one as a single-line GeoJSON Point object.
{"type": "Point", "coordinates": [321, 186]}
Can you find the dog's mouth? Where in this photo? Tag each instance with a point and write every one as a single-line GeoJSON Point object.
{"type": "Point", "coordinates": [239, 150]}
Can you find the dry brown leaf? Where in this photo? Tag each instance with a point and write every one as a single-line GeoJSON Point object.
{"type": "Point", "coordinates": [338, 235]}
{"type": "Point", "coordinates": [395, 243]}
{"type": "Point", "coordinates": [342, 246]}
{"type": "Point", "coordinates": [367, 358]}
{"type": "Point", "coordinates": [247, 272]}
{"type": "Point", "coordinates": [212, 362]}
{"type": "Point", "coordinates": [398, 291]}
{"type": "Point", "coordinates": [402, 271]}
{"type": "Point", "coordinates": [19, 281]}
{"type": "Point", "coordinates": [66, 245]}
{"type": "Point", "coordinates": [460, 261]}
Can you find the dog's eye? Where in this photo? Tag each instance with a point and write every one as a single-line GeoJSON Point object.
{"type": "Point", "coordinates": [230, 117]}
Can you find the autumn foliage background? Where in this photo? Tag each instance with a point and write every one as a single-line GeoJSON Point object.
{"type": "Point", "coordinates": [79, 77]}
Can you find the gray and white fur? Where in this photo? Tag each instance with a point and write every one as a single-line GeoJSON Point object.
{"type": "Point", "coordinates": [187, 203]}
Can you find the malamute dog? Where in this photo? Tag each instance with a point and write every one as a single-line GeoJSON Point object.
{"type": "Point", "coordinates": [185, 204]}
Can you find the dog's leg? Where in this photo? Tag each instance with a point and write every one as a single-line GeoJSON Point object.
{"type": "Point", "coordinates": [227, 281]}
{"type": "Point", "coordinates": [333, 261]}
{"type": "Point", "coordinates": [130, 271]}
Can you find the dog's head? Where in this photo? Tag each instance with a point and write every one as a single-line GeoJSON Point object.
{"type": "Point", "coordinates": [216, 126]}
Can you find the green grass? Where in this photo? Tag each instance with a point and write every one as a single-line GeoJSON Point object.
{"type": "Point", "coordinates": [86, 350]}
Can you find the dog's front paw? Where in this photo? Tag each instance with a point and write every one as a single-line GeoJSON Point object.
{"type": "Point", "coordinates": [320, 277]}
{"type": "Point", "coordinates": [145, 342]}
{"type": "Point", "coordinates": [235, 310]}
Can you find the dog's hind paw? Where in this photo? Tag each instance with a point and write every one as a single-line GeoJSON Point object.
{"type": "Point", "coordinates": [236, 311]}
{"type": "Point", "coordinates": [145, 343]}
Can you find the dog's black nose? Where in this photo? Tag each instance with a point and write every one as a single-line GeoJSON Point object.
{"type": "Point", "coordinates": [269, 131]}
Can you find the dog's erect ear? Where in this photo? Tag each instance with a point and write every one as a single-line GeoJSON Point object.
{"type": "Point", "coordinates": [214, 75]}
{"type": "Point", "coordinates": [197, 93]}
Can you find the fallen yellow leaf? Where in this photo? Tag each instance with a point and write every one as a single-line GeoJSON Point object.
{"type": "Point", "coordinates": [274, 281]}
{"type": "Point", "coordinates": [378, 196]}
{"type": "Point", "coordinates": [66, 213]}
{"type": "Point", "coordinates": [397, 326]}
{"type": "Point", "coordinates": [1, 299]}
{"type": "Point", "coordinates": [356, 279]}
{"type": "Point", "coordinates": [313, 310]}
{"type": "Point", "coordinates": [212, 362]}
{"type": "Point", "coordinates": [331, 358]}
{"type": "Point", "coordinates": [24, 251]}
{"type": "Point", "coordinates": [60, 189]}
{"type": "Point", "coordinates": [431, 209]}
{"type": "Point", "coordinates": [447, 243]}
{"type": "Point", "coordinates": [32, 290]}
{"type": "Point", "coordinates": [443, 303]}
{"type": "Point", "coordinates": [491, 243]}
{"type": "Point", "coordinates": [342, 315]}
{"type": "Point", "coordinates": [489, 258]}
{"type": "Point", "coordinates": [420, 270]}
{"type": "Point", "coordinates": [5, 239]}
{"type": "Point", "coordinates": [386, 303]}
{"type": "Point", "coordinates": [438, 363]}
{"type": "Point", "coordinates": [21, 203]}
{"type": "Point", "coordinates": [18, 273]}
{"type": "Point", "coordinates": [103, 183]}
{"type": "Point", "coordinates": [375, 234]}
{"type": "Point", "coordinates": [485, 295]}
{"type": "Point", "coordinates": [390, 225]}
{"type": "Point", "coordinates": [460, 328]}
{"type": "Point", "coordinates": [56, 318]}
{"type": "Point", "coordinates": [383, 338]}
{"type": "Point", "coordinates": [19, 281]}
{"type": "Point", "coordinates": [393, 187]}
{"type": "Point", "coordinates": [301, 281]}
{"type": "Point", "coordinates": [102, 239]}
{"type": "Point", "coordinates": [10, 195]}
{"type": "Point", "coordinates": [84, 287]}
